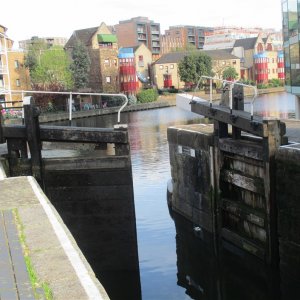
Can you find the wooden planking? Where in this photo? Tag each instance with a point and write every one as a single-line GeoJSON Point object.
{"type": "Point", "coordinates": [237, 118]}
{"type": "Point", "coordinates": [247, 213]}
{"type": "Point", "coordinates": [84, 134]}
{"type": "Point", "coordinates": [82, 163]}
{"type": "Point", "coordinates": [255, 184]}
{"type": "Point", "coordinates": [243, 148]}
{"type": "Point", "coordinates": [243, 243]}
{"type": "Point", "coordinates": [70, 134]}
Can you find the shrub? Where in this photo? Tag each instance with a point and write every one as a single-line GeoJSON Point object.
{"type": "Point", "coordinates": [148, 95]}
{"type": "Point", "coordinates": [132, 99]}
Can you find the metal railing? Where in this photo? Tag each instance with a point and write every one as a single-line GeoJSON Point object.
{"type": "Point", "coordinates": [231, 84]}
{"type": "Point", "coordinates": [70, 99]}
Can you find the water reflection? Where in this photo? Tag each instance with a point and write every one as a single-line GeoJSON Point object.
{"type": "Point", "coordinates": [209, 275]}
{"type": "Point", "coordinates": [184, 267]}
{"type": "Point", "coordinates": [277, 105]}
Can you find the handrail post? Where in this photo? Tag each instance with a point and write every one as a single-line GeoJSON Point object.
{"type": "Point", "coordinates": [70, 107]}
{"type": "Point", "coordinates": [121, 108]}
{"type": "Point", "coordinates": [210, 92]}
{"type": "Point", "coordinates": [230, 96]}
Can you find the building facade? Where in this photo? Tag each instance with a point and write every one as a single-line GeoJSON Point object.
{"type": "Point", "coordinates": [166, 71]}
{"type": "Point", "coordinates": [128, 76]}
{"type": "Point", "coordinates": [291, 47]}
{"type": "Point", "coordinates": [139, 30]}
{"type": "Point", "coordinates": [49, 41]}
{"type": "Point", "coordinates": [14, 76]}
{"type": "Point", "coordinates": [260, 61]}
{"type": "Point", "coordinates": [102, 47]}
{"type": "Point", "coordinates": [185, 35]}
{"type": "Point", "coordinates": [225, 37]}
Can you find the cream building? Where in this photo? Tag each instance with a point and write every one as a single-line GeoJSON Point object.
{"type": "Point", "coordinates": [166, 73]}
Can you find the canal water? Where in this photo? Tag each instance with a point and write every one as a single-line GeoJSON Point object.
{"type": "Point", "coordinates": [174, 263]}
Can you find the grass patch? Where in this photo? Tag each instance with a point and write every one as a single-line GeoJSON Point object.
{"type": "Point", "coordinates": [36, 284]}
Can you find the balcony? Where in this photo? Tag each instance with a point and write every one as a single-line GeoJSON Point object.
{"type": "Point", "coordinates": [155, 38]}
{"type": "Point", "coordinates": [4, 89]}
{"type": "Point", "coordinates": [3, 69]}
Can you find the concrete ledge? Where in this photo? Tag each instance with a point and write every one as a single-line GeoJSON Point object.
{"type": "Point", "coordinates": [54, 253]}
{"type": "Point", "coordinates": [51, 117]}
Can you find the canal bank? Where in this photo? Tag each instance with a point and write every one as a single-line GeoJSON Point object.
{"type": "Point", "coordinates": [162, 102]}
{"type": "Point", "coordinates": [34, 240]}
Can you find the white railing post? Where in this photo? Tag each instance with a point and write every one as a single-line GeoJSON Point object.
{"type": "Point", "coordinates": [230, 97]}
{"type": "Point", "coordinates": [70, 107]}
{"type": "Point", "coordinates": [210, 91]}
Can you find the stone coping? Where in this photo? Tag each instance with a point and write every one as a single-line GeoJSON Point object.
{"type": "Point", "coordinates": [55, 256]}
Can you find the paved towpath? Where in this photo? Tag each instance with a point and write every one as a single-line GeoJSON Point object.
{"type": "Point", "coordinates": [53, 253]}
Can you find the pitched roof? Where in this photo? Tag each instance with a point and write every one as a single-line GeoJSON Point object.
{"type": "Point", "coordinates": [220, 54]}
{"type": "Point", "coordinates": [83, 35]}
{"type": "Point", "coordinates": [175, 57]}
{"type": "Point", "coordinates": [247, 44]}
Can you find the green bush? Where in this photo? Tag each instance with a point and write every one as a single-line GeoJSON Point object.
{"type": "Point", "coordinates": [148, 95]}
{"type": "Point", "coordinates": [262, 86]}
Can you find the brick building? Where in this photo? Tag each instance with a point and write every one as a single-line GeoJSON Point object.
{"type": "Point", "coordinates": [138, 30]}
{"type": "Point", "coordinates": [102, 47]}
{"type": "Point", "coordinates": [187, 35]}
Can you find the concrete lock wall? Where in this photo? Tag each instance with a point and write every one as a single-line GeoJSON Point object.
{"type": "Point", "coordinates": [288, 201]}
{"type": "Point", "coordinates": [94, 197]}
{"type": "Point", "coordinates": [190, 157]}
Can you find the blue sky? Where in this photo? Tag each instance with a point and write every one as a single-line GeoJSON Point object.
{"type": "Point", "coordinates": [28, 18]}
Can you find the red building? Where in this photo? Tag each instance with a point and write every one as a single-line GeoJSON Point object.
{"type": "Point", "coordinates": [128, 78]}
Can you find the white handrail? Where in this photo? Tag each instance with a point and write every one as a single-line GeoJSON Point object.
{"type": "Point", "coordinates": [231, 84]}
{"type": "Point", "coordinates": [76, 93]}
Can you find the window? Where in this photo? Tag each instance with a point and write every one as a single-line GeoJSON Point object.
{"type": "Point", "coordinates": [17, 64]}
{"type": "Point", "coordinates": [18, 83]}
{"type": "Point", "coordinates": [141, 58]}
{"type": "Point", "coordinates": [172, 66]}
{"type": "Point", "coordinates": [106, 61]}
{"type": "Point", "coordinates": [260, 47]}
{"type": "Point", "coordinates": [292, 18]}
{"type": "Point", "coordinates": [161, 67]}
{"type": "Point", "coordinates": [108, 79]}
{"type": "Point", "coordinates": [234, 62]}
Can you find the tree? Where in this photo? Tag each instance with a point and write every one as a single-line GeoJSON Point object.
{"type": "Point", "coordinates": [193, 66]}
{"type": "Point", "coordinates": [230, 73]}
{"type": "Point", "coordinates": [80, 65]}
{"type": "Point", "coordinates": [52, 70]}
{"type": "Point", "coordinates": [32, 58]}
{"type": "Point", "coordinates": [188, 48]}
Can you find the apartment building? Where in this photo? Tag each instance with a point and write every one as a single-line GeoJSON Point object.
{"type": "Point", "coordinates": [102, 47]}
{"type": "Point", "coordinates": [187, 35]}
{"type": "Point", "coordinates": [225, 37]}
{"type": "Point", "coordinates": [13, 74]}
{"type": "Point", "coordinates": [49, 41]}
{"type": "Point", "coordinates": [137, 31]}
